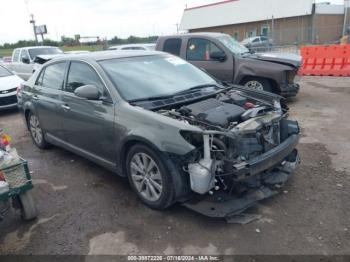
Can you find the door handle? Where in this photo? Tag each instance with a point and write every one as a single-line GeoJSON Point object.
{"type": "Point", "coordinates": [35, 97]}
{"type": "Point", "coordinates": [65, 107]}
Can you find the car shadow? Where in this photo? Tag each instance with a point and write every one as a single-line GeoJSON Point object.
{"type": "Point", "coordinates": [9, 112]}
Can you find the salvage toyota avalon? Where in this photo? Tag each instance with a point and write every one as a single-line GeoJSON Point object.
{"type": "Point", "coordinates": [174, 131]}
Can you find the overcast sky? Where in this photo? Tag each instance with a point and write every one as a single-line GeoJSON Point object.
{"type": "Point", "coordinates": [105, 18]}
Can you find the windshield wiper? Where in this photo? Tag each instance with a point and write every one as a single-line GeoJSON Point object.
{"type": "Point", "coordinates": [151, 98]}
{"type": "Point", "coordinates": [195, 88]}
{"type": "Point", "coordinates": [190, 90]}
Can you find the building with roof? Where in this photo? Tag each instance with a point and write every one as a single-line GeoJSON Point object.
{"type": "Point", "coordinates": [287, 21]}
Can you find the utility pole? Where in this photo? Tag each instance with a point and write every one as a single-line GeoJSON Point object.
{"type": "Point", "coordinates": [345, 16]}
{"type": "Point", "coordinates": [177, 27]}
{"type": "Point", "coordinates": [32, 21]}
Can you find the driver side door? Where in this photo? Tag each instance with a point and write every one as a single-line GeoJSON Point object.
{"type": "Point", "coordinates": [88, 124]}
{"type": "Point", "coordinates": [198, 53]}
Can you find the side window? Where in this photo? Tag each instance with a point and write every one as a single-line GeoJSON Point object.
{"type": "Point", "coordinates": [24, 55]}
{"type": "Point", "coordinates": [256, 40]}
{"type": "Point", "coordinates": [81, 74]}
{"type": "Point", "coordinates": [264, 39]}
{"type": "Point", "coordinates": [199, 49]}
{"type": "Point", "coordinates": [39, 80]}
{"type": "Point", "coordinates": [173, 46]}
{"type": "Point", "coordinates": [16, 55]}
{"type": "Point", "coordinates": [54, 76]}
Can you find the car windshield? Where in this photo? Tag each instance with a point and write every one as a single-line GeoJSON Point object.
{"type": "Point", "coordinates": [44, 51]}
{"type": "Point", "coordinates": [146, 77]}
{"type": "Point", "coordinates": [4, 72]}
{"type": "Point", "coordinates": [235, 47]}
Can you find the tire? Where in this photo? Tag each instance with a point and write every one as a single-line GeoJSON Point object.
{"type": "Point", "coordinates": [257, 83]}
{"type": "Point", "coordinates": [28, 207]}
{"type": "Point", "coordinates": [36, 132]}
{"type": "Point", "coordinates": [153, 187]}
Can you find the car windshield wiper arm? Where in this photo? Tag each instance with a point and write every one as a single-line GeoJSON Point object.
{"type": "Point", "coordinates": [151, 98]}
{"type": "Point", "coordinates": [195, 88]}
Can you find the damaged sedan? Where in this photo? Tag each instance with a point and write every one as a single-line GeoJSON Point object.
{"type": "Point", "coordinates": [174, 131]}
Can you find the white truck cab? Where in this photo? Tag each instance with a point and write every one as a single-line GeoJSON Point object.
{"type": "Point", "coordinates": [23, 59]}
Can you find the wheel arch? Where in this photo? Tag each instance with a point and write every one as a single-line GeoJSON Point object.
{"type": "Point", "coordinates": [274, 85]}
{"type": "Point", "coordinates": [178, 178]}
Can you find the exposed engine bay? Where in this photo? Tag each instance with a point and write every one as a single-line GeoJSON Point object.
{"type": "Point", "coordinates": [245, 143]}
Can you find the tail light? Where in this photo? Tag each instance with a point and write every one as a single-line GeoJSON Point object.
{"type": "Point", "coordinates": [19, 89]}
{"type": "Point", "coordinates": [2, 176]}
{"type": "Point", "coordinates": [248, 105]}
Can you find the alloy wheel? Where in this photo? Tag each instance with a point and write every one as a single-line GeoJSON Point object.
{"type": "Point", "coordinates": [35, 129]}
{"type": "Point", "coordinates": [146, 176]}
{"type": "Point", "coordinates": [255, 85]}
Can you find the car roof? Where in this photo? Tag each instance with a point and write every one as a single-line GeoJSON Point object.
{"type": "Point", "coordinates": [210, 34]}
{"type": "Point", "coordinates": [37, 47]}
{"type": "Point", "coordinates": [135, 45]}
{"type": "Point", "coordinates": [105, 55]}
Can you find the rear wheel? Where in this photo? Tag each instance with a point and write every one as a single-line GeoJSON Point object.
{"type": "Point", "coordinates": [27, 205]}
{"type": "Point", "coordinates": [36, 131]}
{"type": "Point", "coordinates": [149, 177]}
{"type": "Point", "coordinates": [258, 84]}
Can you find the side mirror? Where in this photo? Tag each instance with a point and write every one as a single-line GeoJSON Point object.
{"type": "Point", "coordinates": [218, 56]}
{"type": "Point", "coordinates": [89, 92]}
{"type": "Point", "coordinates": [25, 60]}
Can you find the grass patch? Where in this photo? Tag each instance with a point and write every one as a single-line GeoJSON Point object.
{"type": "Point", "coordinates": [5, 52]}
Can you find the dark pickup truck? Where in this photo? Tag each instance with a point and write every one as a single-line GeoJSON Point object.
{"type": "Point", "coordinates": [227, 60]}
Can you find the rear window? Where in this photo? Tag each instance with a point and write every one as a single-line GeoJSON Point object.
{"type": "Point", "coordinates": [16, 56]}
{"type": "Point", "coordinates": [44, 51]}
{"type": "Point", "coordinates": [54, 76]}
{"type": "Point", "coordinates": [173, 46]}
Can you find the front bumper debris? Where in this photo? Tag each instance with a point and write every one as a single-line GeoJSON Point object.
{"type": "Point", "coordinates": [290, 90]}
{"type": "Point", "coordinates": [267, 160]}
{"type": "Point", "coordinates": [224, 205]}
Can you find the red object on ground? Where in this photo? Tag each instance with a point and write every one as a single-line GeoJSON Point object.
{"type": "Point", "coordinates": [330, 60]}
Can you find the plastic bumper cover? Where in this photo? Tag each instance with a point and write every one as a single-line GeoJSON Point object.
{"type": "Point", "coordinates": [290, 90]}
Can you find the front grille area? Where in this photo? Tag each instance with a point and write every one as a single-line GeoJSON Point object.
{"type": "Point", "coordinates": [8, 91]}
{"type": "Point", "coordinates": [8, 100]}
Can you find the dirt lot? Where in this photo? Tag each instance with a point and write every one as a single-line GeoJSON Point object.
{"type": "Point", "coordinates": [85, 209]}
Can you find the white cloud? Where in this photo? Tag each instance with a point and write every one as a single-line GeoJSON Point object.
{"type": "Point", "coordinates": [92, 17]}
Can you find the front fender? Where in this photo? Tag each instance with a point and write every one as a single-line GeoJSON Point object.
{"type": "Point", "coordinates": [255, 68]}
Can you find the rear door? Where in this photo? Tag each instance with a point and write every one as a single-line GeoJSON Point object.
{"type": "Point", "coordinates": [47, 98]}
{"type": "Point", "coordinates": [198, 53]}
{"type": "Point", "coordinates": [88, 124]}
{"type": "Point", "coordinates": [26, 69]}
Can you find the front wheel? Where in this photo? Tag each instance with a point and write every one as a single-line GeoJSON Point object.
{"type": "Point", "coordinates": [258, 84]}
{"type": "Point", "coordinates": [149, 177]}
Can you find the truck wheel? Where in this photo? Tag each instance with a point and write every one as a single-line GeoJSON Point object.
{"type": "Point", "coordinates": [258, 84]}
{"type": "Point", "coordinates": [149, 177]}
{"type": "Point", "coordinates": [36, 132]}
{"type": "Point", "coordinates": [28, 207]}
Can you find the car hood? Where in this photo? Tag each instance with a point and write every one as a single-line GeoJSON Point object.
{"type": "Point", "coordinates": [9, 82]}
{"type": "Point", "coordinates": [41, 59]}
{"type": "Point", "coordinates": [281, 58]}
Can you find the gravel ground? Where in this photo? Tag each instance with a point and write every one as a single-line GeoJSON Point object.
{"type": "Point", "coordinates": [84, 209]}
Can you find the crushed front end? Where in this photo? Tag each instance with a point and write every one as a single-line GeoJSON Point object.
{"type": "Point", "coordinates": [245, 153]}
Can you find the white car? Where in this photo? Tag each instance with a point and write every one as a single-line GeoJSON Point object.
{"type": "Point", "coordinates": [8, 88]}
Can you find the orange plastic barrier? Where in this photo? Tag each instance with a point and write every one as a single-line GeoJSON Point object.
{"type": "Point", "coordinates": [331, 60]}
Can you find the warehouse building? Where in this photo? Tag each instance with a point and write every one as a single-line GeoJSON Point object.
{"type": "Point", "coordinates": [287, 21]}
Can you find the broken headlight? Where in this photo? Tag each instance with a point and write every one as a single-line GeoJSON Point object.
{"type": "Point", "coordinates": [193, 138]}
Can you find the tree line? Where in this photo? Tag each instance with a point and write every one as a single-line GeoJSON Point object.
{"type": "Point", "coordinates": [68, 41]}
